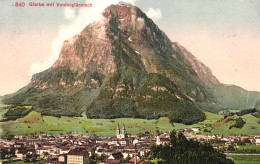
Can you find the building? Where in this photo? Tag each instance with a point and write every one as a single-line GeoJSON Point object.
{"type": "Point", "coordinates": [21, 153]}
{"type": "Point", "coordinates": [115, 158]}
{"type": "Point", "coordinates": [77, 156]}
{"type": "Point", "coordinates": [120, 135]}
{"type": "Point", "coordinates": [195, 129]}
{"type": "Point", "coordinates": [43, 151]}
{"type": "Point", "coordinates": [257, 140]}
{"type": "Point", "coordinates": [53, 160]}
{"type": "Point", "coordinates": [162, 141]}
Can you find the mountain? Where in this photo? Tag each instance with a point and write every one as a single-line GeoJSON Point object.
{"type": "Point", "coordinates": [224, 96]}
{"type": "Point", "coordinates": [204, 73]}
{"type": "Point", "coordinates": [123, 65]}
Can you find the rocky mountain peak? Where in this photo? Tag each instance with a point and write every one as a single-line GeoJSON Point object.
{"type": "Point", "coordinates": [94, 43]}
{"type": "Point", "coordinates": [121, 11]}
{"type": "Point", "coordinates": [203, 72]}
{"type": "Point", "coordinates": [123, 35]}
{"type": "Point", "coordinates": [122, 65]}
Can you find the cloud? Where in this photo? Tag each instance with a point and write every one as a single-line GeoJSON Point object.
{"type": "Point", "coordinates": [154, 14]}
{"type": "Point", "coordinates": [69, 13]}
{"type": "Point", "coordinates": [85, 16]}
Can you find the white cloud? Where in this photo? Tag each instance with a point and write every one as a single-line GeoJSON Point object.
{"type": "Point", "coordinates": [69, 13]}
{"type": "Point", "coordinates": [154, 14]}
{"type": "Point", "coordinates": [85, 17]}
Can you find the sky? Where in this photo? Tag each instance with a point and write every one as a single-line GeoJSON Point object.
{"type": "Point", "coordinates": [223, 34]}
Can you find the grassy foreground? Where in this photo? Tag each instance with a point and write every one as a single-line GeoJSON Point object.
{"type": "Point", "coordinates": [245, 159]}
{"type": "Point", "coordinates": [22, 162]}
{"type": "Point", "coordinates": [35, 123]}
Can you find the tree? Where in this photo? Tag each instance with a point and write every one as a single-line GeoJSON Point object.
{"type": "Point", "coordinates": [173, 138]}
{"type": "Point", "coordinates": [180, 150]}
{"type": "Point", "coordinates": [231, 148]}
{"type": "Point", "coordinates": [246, 140]}
{"type": "Point", "coordinates": [127, 159]}
{"type": "Point", "coordinates": [3, 153]}
{"type": "Point", "coordinates": [101, 159]}
{"type": "Point", "coordinates": [45, 154]}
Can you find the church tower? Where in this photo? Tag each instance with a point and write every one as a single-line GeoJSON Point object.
{"type": "Point", "coordinates": [123, 135]}
{"type": "Point", "coordinates": [118, 131]}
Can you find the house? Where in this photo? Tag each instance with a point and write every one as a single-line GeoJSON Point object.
{"type": "Point", "coordinates": [77, 156]}
{"type": "Point", "coordinates": [64, 150]}
{"type": "Point", "coordinates": [257, 141]}
{"type": "Point", "coordinates": [41, 151]}
{"type": "Point", "coordinates": [112, 161]}
{"type": "Point", "coordinates": [139, 161]}
{"type": "Point", "coordinates": [144, 150]}
{"type": "Point", "coordinates": [117, 155]}
{"type": "Point", "coordinates": [53, 160]}
{"type": "Point", "coordinates": [108, 152]}
{"type": "Point", "coordinates": [162, 141]}
{"type": "Point", "coordinates": [63, 158]}
{"type": "Point", "coordinates": [19, 145]}
{"type": "Point", "coordinates": [195, 129]}
{"type": "Point", "coordinates": [21, 153]}
{"type": "Point", "coordinates": [189, 131]}
{"type": "Point", "coordinates": [135, 141]}
{"type": "Point", "coordinates": [127, 153]}
{"type": "Point", "coordinates": [115, 158]}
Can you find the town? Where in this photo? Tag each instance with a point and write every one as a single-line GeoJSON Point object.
{"type": "Point", "coordinates": [74, 148]}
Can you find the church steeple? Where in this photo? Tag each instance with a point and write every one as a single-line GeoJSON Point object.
{"type": "Point", "coordinates": [118, 131]}
{"type": "Point", "coordinates": [123, 132]}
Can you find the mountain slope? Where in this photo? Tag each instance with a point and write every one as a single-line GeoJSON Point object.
{"type": "Point", "coordinates": [222, 96]}
{"type": "Point", "coordinates": [203, 72]}
{"type": "Point", "coordinates": [122, 65]}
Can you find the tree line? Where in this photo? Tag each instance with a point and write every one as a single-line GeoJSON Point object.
{"type": "Point", "coordinates": [180, 150]}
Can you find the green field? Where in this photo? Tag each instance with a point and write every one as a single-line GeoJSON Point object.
{"type": "Point", "coordinates": [250, 128]}
{"type": "Point", "coordinates": [35, 123]}
{"type": "Point", "coordinates": [22, 162]}
{"type": "Point", "coordinates": [245, 159]}
{"type": "Point", "coordinates": [248, 148]}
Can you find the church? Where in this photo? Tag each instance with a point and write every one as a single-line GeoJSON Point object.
{"type": "Point", "coordinates": [119, 134]}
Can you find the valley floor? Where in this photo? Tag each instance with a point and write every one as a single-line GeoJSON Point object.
{"type": "Point", "coordinates": [34, 123]}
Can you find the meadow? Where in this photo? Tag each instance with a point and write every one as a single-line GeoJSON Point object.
{"type": "Point", "coordinates": [245, 159]}
{"type": "Point", "coordinates": [35, 123]}
{"type": "Point", "coordinates": [248, 148]}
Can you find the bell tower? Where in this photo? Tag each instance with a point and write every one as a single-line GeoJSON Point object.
{"type": "Point", "coordinates": [123, 132]}
{"type": "Point", "coordinates": [118, 131]}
